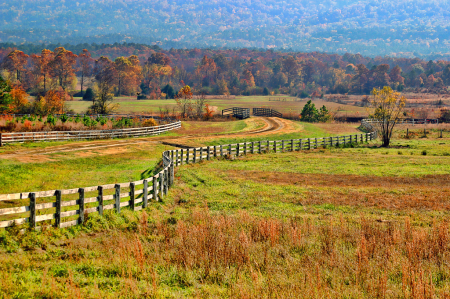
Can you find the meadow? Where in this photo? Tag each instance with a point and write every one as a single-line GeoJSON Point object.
{"type": "Point", "coordinates": [350, 222]}
{"type": "Point", "coordinates": [283, 104]}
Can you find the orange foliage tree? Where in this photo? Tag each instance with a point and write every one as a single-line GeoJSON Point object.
{"type": "Point", "coordinates": [62, 66]}
{"type": "Point", "coordinates": [184, 102]}
{"type": "Point", "coordinates": [15, 63]}
{"type": "Point", "coordinates": [85, 66]}
{"type": "Point", "coordinates": [128, 74]}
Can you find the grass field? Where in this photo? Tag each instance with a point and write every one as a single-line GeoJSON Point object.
{"type": "Point", "coordinates": [131, 105]}
{"type": "Point", "coordinates": [356, 222]}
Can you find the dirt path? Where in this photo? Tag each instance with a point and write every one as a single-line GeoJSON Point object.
{"type": "Point", "coordinates": [271, 126]}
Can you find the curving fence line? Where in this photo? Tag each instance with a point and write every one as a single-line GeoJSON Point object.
{"type": "Point", "coordinates": [65, 208]}
{"type": "Point", "coordinates": [367, 123]}
{"type": "Point", "coordinates": [21, 137]}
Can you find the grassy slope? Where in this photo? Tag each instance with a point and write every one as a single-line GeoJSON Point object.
{"type": "Point", "coordinates": [341, 223]}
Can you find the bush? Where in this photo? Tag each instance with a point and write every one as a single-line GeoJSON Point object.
{"type": "Point", "coordinates": [303, 95]}
{"type": "Point", "coordinates": [89, 95]}
{"type": "Point", "coordinates": [142, 97]}
{"type": "Point", "coordinates": [51, 120]}
{"type": "Point", "coordinates": [149, 123]}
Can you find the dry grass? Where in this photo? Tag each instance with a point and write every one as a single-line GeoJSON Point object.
{"type": "Point", "coordinates": [240, 256]}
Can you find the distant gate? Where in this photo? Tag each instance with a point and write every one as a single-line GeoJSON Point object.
{"type": "Point", "coordinates": [266, 112]}
{"type": "Point", "coordinates": [237, 112]}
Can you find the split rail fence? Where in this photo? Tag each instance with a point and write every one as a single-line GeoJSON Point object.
{"type": "Point", "coordinates": [65, 208]}
{"type": "Point", "coordinates": [78, 135]}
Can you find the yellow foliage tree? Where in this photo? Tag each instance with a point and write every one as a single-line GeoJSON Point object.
{"type": "Point", "coordinates": [388, 106]}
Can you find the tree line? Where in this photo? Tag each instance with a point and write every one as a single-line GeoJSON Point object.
{"type": "Point", "coordinates": [151, 73]}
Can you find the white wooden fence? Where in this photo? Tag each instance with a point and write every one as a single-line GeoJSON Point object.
{"type": "Point", "coordinates": [77, 135]}
{"type": "Point", "coordinates": [64, 208]}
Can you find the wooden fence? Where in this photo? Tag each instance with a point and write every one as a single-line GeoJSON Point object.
{"type": "Point", "coordinates": [77, 135]}
{"type": "Point", "coordinates": [266, 112]}
{"type": "Point", "coordinates": [367, 123]}
{"type": "Point", "coordinates": [65, 208]}
{"type": "Point", "coordinates": [238, 112]}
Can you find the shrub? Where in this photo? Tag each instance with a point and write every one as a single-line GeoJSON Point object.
{"type": "Point", "coordinates": [424, 152]}
{"type": "Point", "coordinates": [89, 95]}
{"type": "Point", "coordinates": [149, 123]}
{"type": "Point", "coordinates": [51, 120]}
{"type": "Point", "coordinates": [64, 118]}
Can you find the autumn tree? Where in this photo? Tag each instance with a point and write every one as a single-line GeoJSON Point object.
{"type": "Point", "coordinates": [128, 73]}
{"type": "Point", "coordinates": [85, 67]}
{"type": "Point", "coordinates": [62, 66]}
{"type": "Point", "coordinates": [388, 107]}
{"type": "Point", "coordinates": [19, 99]}
{"type": "Point", "coordinates": [206, 71]}
{"type": "Point", "coordinates": [156, 68]}
{"type": "Point", "coordinates": [184, 100]}
{"type": "Point", "coordinates": [291, 69]}
{"type": "Point", "coordinates": [106, 78]}
{"type": "Point", "coordinates": [15, 63]}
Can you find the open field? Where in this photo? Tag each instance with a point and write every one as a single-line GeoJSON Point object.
{"type": "Point", "coordinates": [131, 105]}
{"type": "Point", "coordinates": [355, 222]}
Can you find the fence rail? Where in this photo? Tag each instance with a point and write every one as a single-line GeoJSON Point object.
{"type": "Point", "coordinates": [65, 208]}
{"type": "Point", "coordinates": [21, 137]}
{"type": "Point", "coordinates": [266, 112]}
{"type": "Point", "coordinates": [238, 112]}
{"type": "Point", "coordinates": [367, 123]}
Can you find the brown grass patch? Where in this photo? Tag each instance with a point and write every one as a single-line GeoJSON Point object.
{"type": "Point", "coordinates": [428, 192]}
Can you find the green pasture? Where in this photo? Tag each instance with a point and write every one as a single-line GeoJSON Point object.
{"type": "Point", "coordinates": [132, 105]}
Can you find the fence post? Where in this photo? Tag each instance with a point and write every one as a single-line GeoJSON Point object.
{"type": "Point", "coordinates": [1, 143]}
{"type": "Point", "coordinates": [282, 146]}
{"type": "Point", "coordinates": [317, 144]}
{"type": "Point", "coordinates": [181, 159]}
{"type": "Point", "coordinates": [221, 150]}
{"type": "Point", "coordinates": [441, 133]}
{"type": "Point", "coordinates": [58, 209]}
{"type": "Point", "coordinates": [100, 200]}
{"type": "Point", "coordinates": [275, 146]}
{"type": "Point", "coordinates": [166, 181]}
{"type": "Point", "coordinates": [195, 155]}
{"type": "Point", "coordinates": [260, 150]}
{"type": "Point", "coordinates": [253, 147]}
{"type": "Point", "coordinates": [145, 195]}
{"type": "Point", "coordinates": [117, 196]}
{"type": "Point", "coordinates": [132, 196]}
{"type": "Point", "coordinates": [32, 210]}
{"type": "Point", "coordinates": [229, 150]}
{"type": "Point", "coordinates": [81, 206]}
{"type": "Point", "coordinates": [309, 143]}
{"type": "Point", "coordinates": [161, 185]}
{"type": "Point", "coordinates": [172, 175]}
{"type": "Point", "coordinates": [215, 151]}
{"type": "Point", "coordinates": [208, 154]}
{"type": "Point", "coordinates": [201, 154]}
{"type": "Point", "coordinates": [238, 149]}
{"type": "Point", "coordinates": [300, 145]}
{"type": "Point", "coordinates": [155, 189]}
{"type": "Point", "coordinates": [292, 145]}
{"type": "Point", "coordinates": [187, 156]}
{"type": "Point", "coordinates": [176, 158]}
{"type": "Point", "coordinates": [268, 146]}
{"type": "Point", "coordinates": [331, 141]}
{"type": "Point", "coordinates": [171, 155]}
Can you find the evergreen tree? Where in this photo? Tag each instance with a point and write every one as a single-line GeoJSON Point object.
{"type": "Point", "coordinates": [89, 95]}
{"type": "Point", "coordinates": [5, 96]}
{"type": "Point", "coordinates": [266, 91]}
{"type": "Point", "coordinates": [168, 90]}
{"type": "Point", "coordinates": [309, 112]}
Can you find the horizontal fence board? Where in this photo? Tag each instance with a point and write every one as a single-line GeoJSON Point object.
{"type": "Point", "coordinates": [45, 217]}
{"type": "Point", "coordinates": [109, 207]}
{"type": "Point", "coordinates": [9, 211]}
{"type": "Point", "coordinates": [13, 222]}
{"type": "Point", "coordinates": [68, 224]}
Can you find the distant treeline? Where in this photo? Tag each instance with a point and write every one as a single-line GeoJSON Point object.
{"type": "Point", "coordinates": [157, 73]}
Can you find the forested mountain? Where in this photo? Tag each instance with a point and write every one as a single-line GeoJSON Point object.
{"type": "Point", "coordinates": [373, 27]}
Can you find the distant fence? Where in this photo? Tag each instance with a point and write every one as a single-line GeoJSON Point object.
{"type": "Point", "coordinates": [21, 137]}
{"type": "Point", "coordinates": [65, 208]}
{"type": "Point", "coordinates": [367, 123]}
{"type": "Point", "coordinates": [237, 112]}
{"type": "Point", "coordinates": [100, 115]}
{"type": "Point", "coordinates": [266, 112]}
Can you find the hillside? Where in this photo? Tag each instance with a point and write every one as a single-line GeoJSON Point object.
{"type": "Point", "coordinates": [371, 28]}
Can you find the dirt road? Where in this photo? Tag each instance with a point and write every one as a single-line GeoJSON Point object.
{"type": "Point", "coordinates": [271, 126]}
